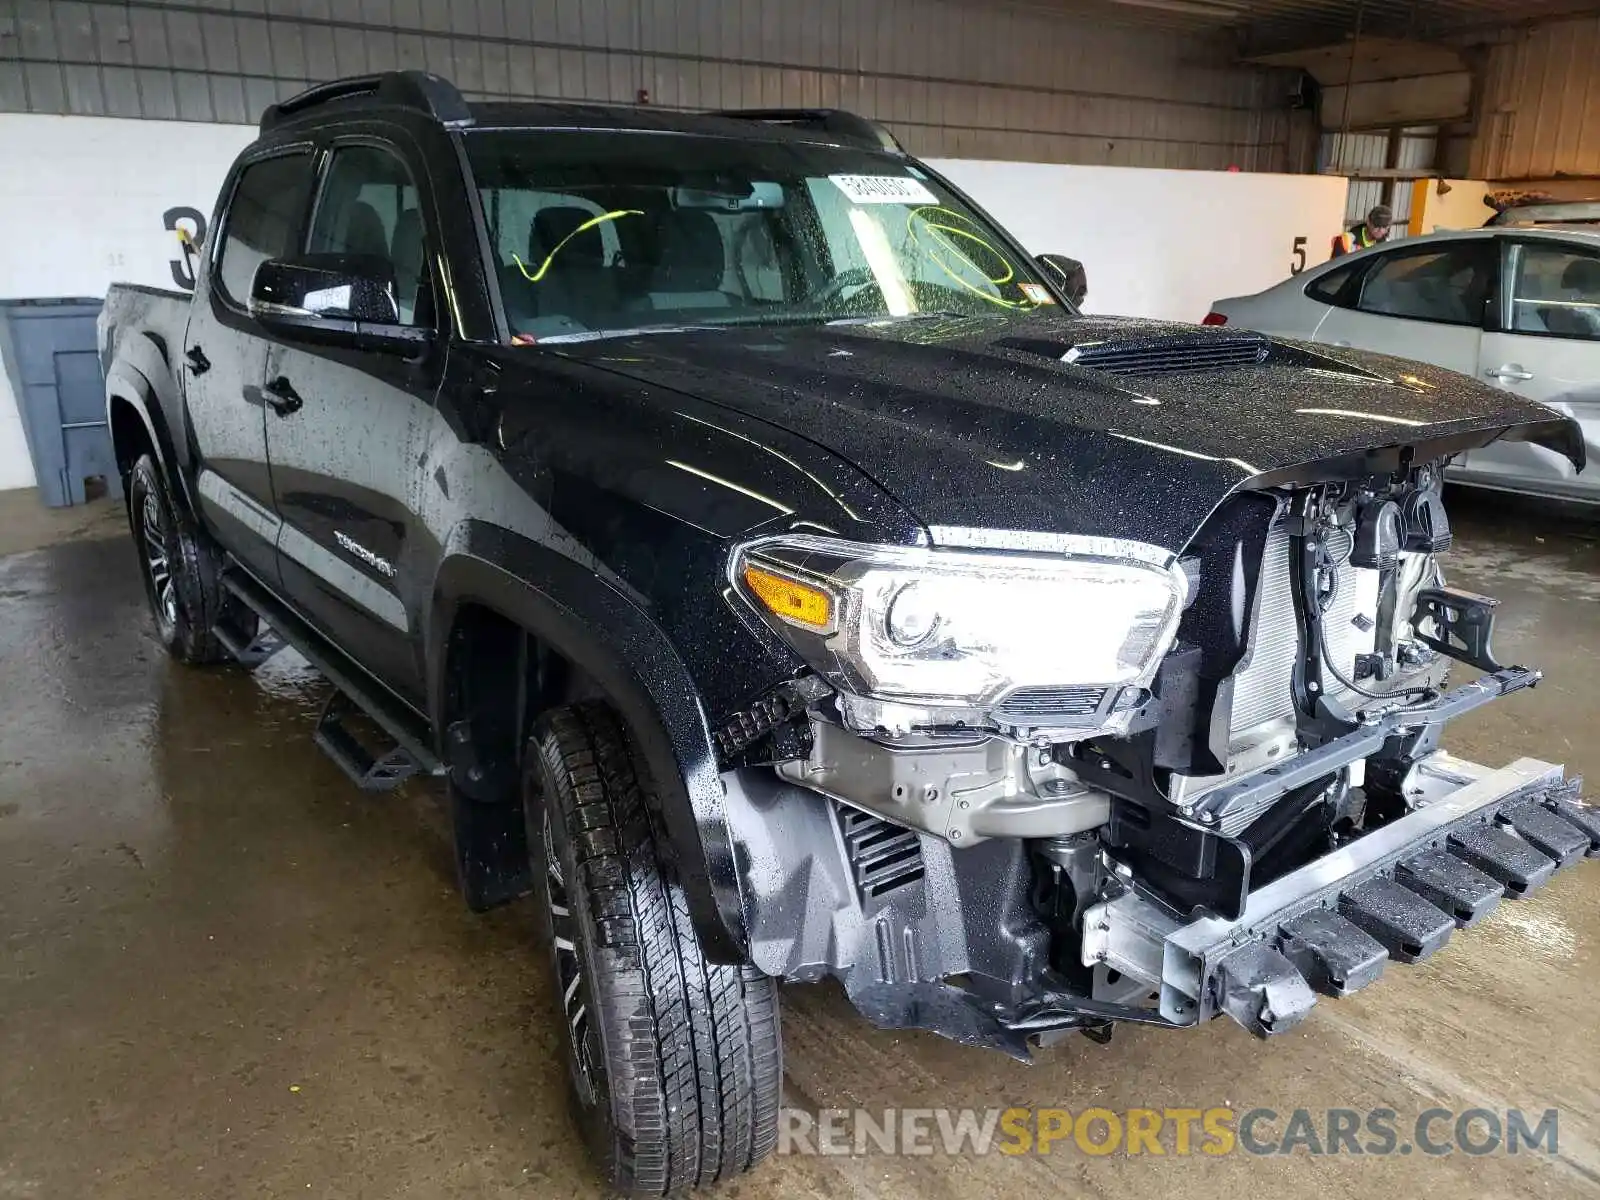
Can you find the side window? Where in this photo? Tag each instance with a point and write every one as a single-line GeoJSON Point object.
{"type": "Point", "coordinates": [262, 221]}
{"type": "Point", "coordinates": [1448, 283]}
{"type": "Point", "coordinates": [368, 206]}
{"type": "Point", "coordinates": [1326, 288]}
{"type": "Point", "coordinates": [1555, 289]}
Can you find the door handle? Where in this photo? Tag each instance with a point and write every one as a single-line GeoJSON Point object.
{"type": "Point", "coordinates": [1509, 373]}
{"type": "Point", "coordinates": [199, 364]}
{"type": "Point", "coordinates": [280, 394]}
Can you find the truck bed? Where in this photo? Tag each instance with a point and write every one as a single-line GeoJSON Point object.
{"type": "Point", "coordinates": [132, 309]}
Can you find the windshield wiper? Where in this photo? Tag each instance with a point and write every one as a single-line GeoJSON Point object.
{"type": "Point", "coordinates": [924, 315]}
{"type": "Point", "coordinates": [596, 335]}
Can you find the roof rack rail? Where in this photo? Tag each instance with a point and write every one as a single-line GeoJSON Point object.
{"type": "Point", "coordinates": [416, 90]}
{"type": "Point", "coordinates": [836, 121]}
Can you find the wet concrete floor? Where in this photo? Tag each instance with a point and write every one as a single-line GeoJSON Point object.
{"type": "Point", "coordinates": [224, 972]}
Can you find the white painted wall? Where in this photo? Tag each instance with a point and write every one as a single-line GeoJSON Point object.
{"type": "Point", "coordinates": [82, 200]}
{"type": "Point", "coordinates": [1159, 243]}
{"type": "Point", "coordinates": [81, 204]}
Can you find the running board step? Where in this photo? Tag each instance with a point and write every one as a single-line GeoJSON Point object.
{"type": "Point", "coordinates": [370, 772]}
{"type": "Point", "coordinates": [408, 746]}
{"type": "Point", "coordinates": [249, 654]}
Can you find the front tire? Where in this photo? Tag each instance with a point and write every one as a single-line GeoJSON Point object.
{"type": "Point", "coordinates": [674, 1064]}
{"type": "Point", "coordinates": [181, 569]}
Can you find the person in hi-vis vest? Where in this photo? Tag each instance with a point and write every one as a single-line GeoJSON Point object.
{"type": "Point", "coordinates": [1366, 233]}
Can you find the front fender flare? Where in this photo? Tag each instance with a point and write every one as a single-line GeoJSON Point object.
{"type": "Point", "coordinates": [620, 648]}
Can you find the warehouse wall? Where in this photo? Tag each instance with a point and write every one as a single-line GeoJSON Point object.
{"type": "Point", "coordinates": [955, 77]}
{"type": "Point", "coordinates": [1539, 112]}
{"type": "Point", "coordinates": [1133, 228]}
{"type": "Point", "coordinates": [1353, 153]}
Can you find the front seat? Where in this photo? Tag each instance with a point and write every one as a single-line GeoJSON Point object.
{"type": "Point", "coordinates": [364, 232]}
{"type": "Point", "coordinates": [407, 255]}
{"type": "Point", "coordinates": [568, 266]}
{"type": "Point", "coordinates": [1581, 283]}
{"type": "Point", "coordinates": [693, 262]}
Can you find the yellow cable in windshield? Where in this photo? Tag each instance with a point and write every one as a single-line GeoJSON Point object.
{"type": "Point", "coordinates": [941, 234]}
{"type": "Point", "coordinates": [536, 276]}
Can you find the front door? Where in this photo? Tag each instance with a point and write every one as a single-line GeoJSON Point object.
{"type": "Point", "coordinates": [224, 354]}
{"type": "Point", "coordinates": [348, 428]}
{"type": "Point", "coordinates": [1547, 349]}
{"type": "Point", "coordinates": [1425, 302]}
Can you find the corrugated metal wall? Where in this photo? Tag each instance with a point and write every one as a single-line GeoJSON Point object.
{"type": "Point", "coordinates": [1540, 109]}
{"type": "Point", "coordinates": [1354, 152]}
{"type": "Point", "coordinates": [951, 77]}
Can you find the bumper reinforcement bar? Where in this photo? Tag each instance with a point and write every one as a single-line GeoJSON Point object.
{"type": "Point", "coordinates": [1474, 836]}
{"type": "Point", "coordinates": [1251, 794]}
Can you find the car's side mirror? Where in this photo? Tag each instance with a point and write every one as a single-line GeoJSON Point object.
{"type": "Point", "coordinates": [1068, 274]}
{"type": "Point", "coordinates": [335, 299]}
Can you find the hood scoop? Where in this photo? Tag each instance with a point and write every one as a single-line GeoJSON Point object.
{"type": "Point", "coordinates": [1153, 356]}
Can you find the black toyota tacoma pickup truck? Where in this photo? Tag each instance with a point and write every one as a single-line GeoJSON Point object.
{"type": "Point", "coordinates": [787, 582]}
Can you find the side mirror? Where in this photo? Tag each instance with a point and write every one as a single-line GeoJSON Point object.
{"type": "Point", "coordinates": [1068, 274]}
{"type": "Point", "coordinates": [334, 299]}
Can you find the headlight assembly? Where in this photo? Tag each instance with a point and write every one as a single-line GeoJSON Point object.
{"type": "Point", "coordinates": [926, 636]}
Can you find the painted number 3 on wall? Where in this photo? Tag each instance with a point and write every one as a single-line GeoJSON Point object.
{"type": "Point", "coordinates": [1298, 262]}
{"type": "Point", "coordinates": [190, 225]}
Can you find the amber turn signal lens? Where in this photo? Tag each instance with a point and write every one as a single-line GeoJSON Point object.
{"type": "Point", "coordinates": [790, 599]}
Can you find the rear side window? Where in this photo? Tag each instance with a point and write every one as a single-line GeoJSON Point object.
{"type": "Point", "coordinates": [1448, 283]}
{"type": "Point", "coordinates": [1326, 288]}
{"type": "Point", "coordinates": [263, 221]}
{"type": "Point", "coordinates": [1555, 290]}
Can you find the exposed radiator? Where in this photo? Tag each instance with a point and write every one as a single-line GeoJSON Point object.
{"type": "Point", "coordinates": [1261, 690]}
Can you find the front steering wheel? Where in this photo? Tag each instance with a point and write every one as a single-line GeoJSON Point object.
{"type": "Point", "coordinates": [855, 277]}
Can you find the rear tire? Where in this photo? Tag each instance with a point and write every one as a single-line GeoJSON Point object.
{"type": "Point", "coordinates": [674, 1064]}
{"type": "Point", "coordinates": [182, 571]}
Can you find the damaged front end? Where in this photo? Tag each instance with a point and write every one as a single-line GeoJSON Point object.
{"type": "Point", "coordinates": [1070, 782]}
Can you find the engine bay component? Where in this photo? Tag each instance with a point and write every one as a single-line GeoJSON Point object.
{"type": "Point", "coordinates": [1463, 625]}
{"type": "Point", "coordinates": [1426, 527]}
{"type": "Point", "coordinates": [1324, 919]}
{"type": "Point", "coordinates": [1378, 536]}
{"type": "Point", "coordinates": [987, 788]}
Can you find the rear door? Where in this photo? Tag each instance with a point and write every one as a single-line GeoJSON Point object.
{"type": "Point", "coordinates": [1294, 308]}
{"type": "Point", "coordinates": [1426, 301]}
{"type": "Point", "coordinates": [225, 352]}
{"type": "Point", "coordinates": [1545, 345]}
{"type": "Point", "coordinates": [345, 453]}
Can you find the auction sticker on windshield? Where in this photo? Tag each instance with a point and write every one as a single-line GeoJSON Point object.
{"type": "Point", "coordinates": [883, 189]}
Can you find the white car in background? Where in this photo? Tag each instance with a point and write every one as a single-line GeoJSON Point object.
{"type": "Point", "coordinates": [1519, 307]}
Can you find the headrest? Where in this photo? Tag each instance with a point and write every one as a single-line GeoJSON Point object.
{"type": "Point", "coordinates": [692, 254]}
{"type": "Point", "coordinates": [553, 226]}
{"type": "Point", "coordinates": [1582, 275]}
{"type": "Point", "coordinates": [363, 231]}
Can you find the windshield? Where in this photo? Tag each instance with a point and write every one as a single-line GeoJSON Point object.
{"type": "Point", "coordinates": [595, 232]}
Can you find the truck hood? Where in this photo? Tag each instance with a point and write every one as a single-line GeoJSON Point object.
{"type": "Point", "coordinates": [1052, 423]}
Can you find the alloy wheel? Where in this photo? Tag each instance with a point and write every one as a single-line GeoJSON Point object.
{"type": "Point", "coordinates": [569, 971]}
{"type": "Point", "coordinates": [157, 561]}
